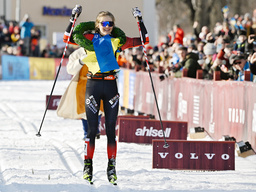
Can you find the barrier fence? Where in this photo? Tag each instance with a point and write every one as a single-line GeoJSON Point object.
{"type": "Point", "coordinates": [221, 107]}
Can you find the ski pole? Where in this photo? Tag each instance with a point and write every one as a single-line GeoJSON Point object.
{"type": "Point", "coordinates": [64, 52]}
{"type": "Point", "coordinates": [166, 145]}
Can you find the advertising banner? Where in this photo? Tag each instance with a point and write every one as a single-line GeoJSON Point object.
{"type": "Point", "coordinates": [42, 68]}
{"type": "Point", "coordinates": [144, 98]}
{"type": "Point", "coordinates": [15, 68]}
{"type": "Point", "coordinates": [54, 102]}
{"type": "Point", "coordinates": [143, 130]}
{"type": "Point", "coordinates": [194, 155]}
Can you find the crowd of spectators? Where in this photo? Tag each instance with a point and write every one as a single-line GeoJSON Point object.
{"type": "Point", "coordinates": [23, 39]}
{"type": "Point", "coordinates": [228, 48]}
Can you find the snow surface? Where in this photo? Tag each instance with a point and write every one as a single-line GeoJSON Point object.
{"type": "Point", "coordinates": [54, 161]}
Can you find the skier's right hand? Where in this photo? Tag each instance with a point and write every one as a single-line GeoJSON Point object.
{"type": "Point", "coordinates": [77, 10]}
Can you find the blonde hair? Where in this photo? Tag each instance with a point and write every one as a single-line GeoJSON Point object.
{"type": "Point", "coordinates": [102, 14]}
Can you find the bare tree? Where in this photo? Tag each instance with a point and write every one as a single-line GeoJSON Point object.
{"type": "Point", "coordinates": [206, 12]}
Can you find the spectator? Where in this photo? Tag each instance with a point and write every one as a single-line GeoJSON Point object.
{"type": "Point", "coordinates": [25, 33]}
{"type": "Point", "coordinates": [240, 65]}
{"type": "Point", "coordinates": [177, 35]}
{"type": "Point", "coordinates": [11, 27]}
{"type": "Point", "coordinates": [15, 36]}
{"type": "Point", "coordinates": [202, 35]}
{"type": "Point", "coordinates": [200, 50]}
{"type": "Point", "coordinates": [241, 44]}
{"type": "Point", "coordinates": [34, 42]}
{"type": "Point", "coordinates": [187, 61]}
{"type": "Point", "coordinates": [222, 64]}
{"type": "Point", "coordinates": [45, 53]}
{"type": "Point", "coordinates": [6, 37]}
{"type": "Point", "coordinates": [209, 51]}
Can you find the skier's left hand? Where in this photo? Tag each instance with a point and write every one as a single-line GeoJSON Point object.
{"type": "Point", "coordinates": [77, 10]}
{"type": "Point", "coordinates": [136, 12]}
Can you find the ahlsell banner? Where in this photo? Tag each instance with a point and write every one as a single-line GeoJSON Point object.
{"type": "Point", "coordinates": [54, 102]}
{"type": "Point", "coordinates": [143, 130]}
{"type": "Point", "coordinates": [194, 155]}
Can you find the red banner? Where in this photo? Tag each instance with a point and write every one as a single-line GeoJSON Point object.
{"type": "Point", "coordinates": [54, 102]}
{"type": "Point", "coordinates": [194, 155]}
{"type": "Point", "coordinates": [143, 131]}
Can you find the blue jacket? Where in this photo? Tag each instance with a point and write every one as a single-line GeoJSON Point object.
{"type": "Point", "coordinates": [25, 29]}
{"type": "Point", "coordinates": [241, 73]}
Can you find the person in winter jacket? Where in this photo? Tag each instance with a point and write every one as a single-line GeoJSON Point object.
{"type": "Point", "coordinates": [101, 42]}
{"type": "Point", "coordinates": [186, 61]}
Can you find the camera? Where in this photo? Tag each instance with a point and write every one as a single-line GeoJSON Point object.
{"type": "Point", "coordinates": [163, 76]}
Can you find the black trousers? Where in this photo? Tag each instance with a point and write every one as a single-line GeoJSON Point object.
{"type": "Point", "coordinates": [107, 91]}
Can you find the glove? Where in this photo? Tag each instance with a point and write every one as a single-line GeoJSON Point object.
{"type": "Point", "coordinates": [136, 12]}
{"type": "Point", "coordinates": [77, 10]}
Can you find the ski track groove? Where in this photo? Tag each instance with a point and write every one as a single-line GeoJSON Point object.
{"type": "Point", "coordinates": [78, 155]}
{"type": "Point", "coordinates": [2, 180]}
{"type": "Point", "coordinates": [69, 157]}
{"type": "Point", "coordinates": [12, 114]}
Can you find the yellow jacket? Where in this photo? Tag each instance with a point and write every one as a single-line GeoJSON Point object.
{"type": "Point", "coordinates": [72, 103]}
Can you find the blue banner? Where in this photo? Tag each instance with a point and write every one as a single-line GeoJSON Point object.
{"type": "Point", "coordinates": [15, 67]}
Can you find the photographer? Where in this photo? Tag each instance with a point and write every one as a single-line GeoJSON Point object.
{"type": "Point", "coordinates": [186, 61]}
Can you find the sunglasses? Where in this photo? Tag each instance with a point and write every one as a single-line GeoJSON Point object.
{"type": "Point", "coordinates": [109, 23]}
{"type": "Point", "coordinates": [236, 63]}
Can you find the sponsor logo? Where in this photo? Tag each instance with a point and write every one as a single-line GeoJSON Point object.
{"type": "Point", "coordinates": [209, 156]}
{"type": "Point", "coordinates": [151, 132]}
{"type": "Point", "coordinates": [57, 11]}
{"type": "Point", "coordinates": [55, 102]}
{"type": "Point", "coordinates": [236, 115]}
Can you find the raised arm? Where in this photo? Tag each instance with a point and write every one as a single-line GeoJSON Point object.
{"type": "Point", "coordinates": [77, 10]}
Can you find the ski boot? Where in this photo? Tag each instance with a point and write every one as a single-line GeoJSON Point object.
{"type": "Point", "coordinates": [111, 171]}
{"type": "Point", "coordinates": [88, 170]}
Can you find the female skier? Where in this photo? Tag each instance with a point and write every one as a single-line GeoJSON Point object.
{"type": "Point", "coordinates": [99, 52]}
